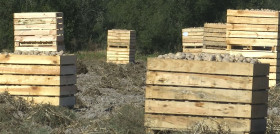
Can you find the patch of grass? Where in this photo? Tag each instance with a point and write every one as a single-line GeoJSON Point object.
{"type": "Point", "coordinates": [87, 55]}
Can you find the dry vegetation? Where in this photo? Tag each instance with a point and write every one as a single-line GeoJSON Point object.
{"type": "Point", "coordinates": [110, 100]}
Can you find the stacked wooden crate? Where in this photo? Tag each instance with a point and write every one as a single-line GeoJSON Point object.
{"type": "Point", "coordinates": [121, 46]}
{"type": "Point", "coordinates": [192, 39]}
{"type": "Point", "coordinates": [38, 31]}
{"type": "Point", "coordinates": [256, 34]}
{"type": "Point", "coordinates": [39, 78]}
{"type": "Point", "coordinates": [181, 94]}
{"type": "Point", "coordinates": [214, 36]}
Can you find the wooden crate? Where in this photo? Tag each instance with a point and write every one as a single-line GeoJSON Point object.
{"type": "Point", "coordinates": [214, 36]}
{"type": "Point", "coordinates": [256, 32]}
{"type": "Point", "coordinates": [43, 79]}
{"type": "Point", "coordinates": [121, 46]}
{"type": "Point", "coordinates": [252, 29]}
{"type": "Point", "coordinates": [181, 93]}
{"type": "Point", "coordinates": [192, 38]}
{"type": "Point", "coordinates": [42, 31]}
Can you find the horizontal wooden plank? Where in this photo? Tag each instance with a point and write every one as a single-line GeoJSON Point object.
{"type": "Point", "coordinates": [193, 37]}
{"type": "Point", "coordinates": [252, 42]}
{"type": "Point", "coordinates": [203, 80]}
{"type": "Point", "coordinates": [256, 53]}
{"type": "Point", "coordinates": [120, 38]}
{"type": "Point", "coordinates": [39, 32]}
{"type": "Point", "coordinates": [205, 109]}
{"type": "Point", "coordinates": [37, 80]}
{"type": "Point", "coordinates": [188, 122]}
{"type": "Point", "coordinates": [37, 69]}
{"type": "Point", "coordinates": [38, 48]}
{"type": "Point", "coordinates": [213, 30]}
{"type": "Point", "coordinates": [38, 38]}
{"type": "Point", "coordinates": [57, 101]}
{"type": "Point", "coordinates": [273, 62]}
{"type": "Point", "coordinates": [132, 50]}
{"type": "Point", "coordinates": [38, 15]}
{"type": "Point", "coordinates": [206, 94]}
{"type": "Point", "coordinates": [246, 34]}
{"type": "Point", "coordinates": [192, 34]}
{"type": "Point", "coordinates": [274, 69]}
{"type": "Point", "coordinates": [192, 44]}
{"type": "Point", "coordinates": [253, 13]}
{"type": "Point", "coordinates": [215, 43]}
{"type": "Point", "coordinates": [249, 20]}
{"type": "Point", "coordinates": [194, 50]}
{"type": "Point", "coordinates": [39, 90]}
{"type": "Point", "coordinates": [221, 35]}
{"type": "Point", "coordinates": [121, 31]}
{"type": "Point", "coordinates": [215, 39]}
{"type": "Point", "coordinates": [248, 27]}
{"type": "Point", "coordinates": [215, 51]}
{"type": "Point", "coordinates": [207, 67]}
{"type": "Point", "coordinates": [38, 27]}
{"type": "Point", "coordinates": [37, 59]}
{"type": "Point", "coordinates": [215, 25]}
{"type": "Point", "coordinates": [274, 76]}
{"type": "Point", "coordinates": [122, 34]}
{"type": "Point", "coordinates": [194, 40]}
{"type": "Point", "coordinates": [38, 21]}
{"type": "Point", "coordinates": [273, 83]}
{"type": "Point", "coordinates": [197, 29]}
{"type": "Point", "coordinates": [119, 53]}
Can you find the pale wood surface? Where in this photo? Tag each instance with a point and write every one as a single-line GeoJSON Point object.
{"type": "Point", "coordinates": [214, 30]}
{"type": "Point", "coordinates": [37, 80]}
{"type": "Point", "coordinates": [192, 44]}
{"type": "Point", "coordinates": [197, 29]}
{"type": "Point", "coordinates": [206, 94]}
{"type": "Point", "coordinates": [205, 109]}
{"type": "Point", "coordinates": [37, 59]}
{"type": "Point", "coordinates": [57, 101]}
{"type": "Point", "coordinates": [256, 53]}
{"type": "Point", "coordinates": [215, 25]}
{"type": "Point", "coordinates": [187, 122]}
{"type": "Point", "coordinates": [252, 42]}
{"type": "Point", "coordinates": [249, 20]}
{"type": "Point", "coordinates": [215, 43]}
{"type": "Point", "coordinates": [37, 69]}
{"type": "Point", "coordinates": [253, 13]}
{"type": "Point", "coordinates": [248, 27]}
{"type": "Point", "coordinates": [219, 34]}
{"type": "Point", "coordinates": [38, 15]}
{"type": "Point", "coordinates": [204, 80]}
{"type": "Point", "coordinates": [39, 32]}
{"type": "Point", "coordinates": [39, 48]}
{"type": "Point", "coordinates": [38, 38]}
{"type": "Point", "coordinates": [249, 34]}
{"type": "Point", "coordinates": [38, 26]}
{"type": "Point", "coordinates": [207, 67]}
{"type": "Point", "coordinates": [218, 39]}
{"type": "Point", "coordinates": [38, 21]}
{"type": "Point", "coordinates": [39, 90]}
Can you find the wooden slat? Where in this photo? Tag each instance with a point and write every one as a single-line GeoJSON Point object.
{"type": "Point", "coordinates": [246, 34]}
{"type": "Point", "coordinates": [273, 82]}
{"type": "Point", "coordinates": [215, 51]}
{"type": "Point", "coordinates": [38, 15]}
{"type": "Point", "coordinates": [212, 30]}
{"type": "Point", "coordinates": [193, 37]}
{"type": "Point", "coordinates": [192, 44]}
{"type": "Point", "coordinates": [215, 43]}
{"type": "Point", "coordinates": [253, 13]}
{"type": "Point", "coordinates": [37, 80]}
{"type": "Point", "coordinates": [205, 109]}
{"type": "Point", "coordinates": [248, 20]}
{"type": "Point", "coordinates": [38, 59]}
{"type": "Point", "coordinates": [187, 122]}
{"type": "Point", "coordinates": [270, 61]}
{"type": "Point", "coordinates": [274, 69]}
{"type": "Point", "coordinates": [203, 80]}
{"type": "Point", "coordinates": [35, 48]}
{"type": "Point", "coordinates": [192, 40]}
{"type": "Point", "coordinates": [39, 90]}
{"type": "Point", "coordinates": [248, 27]}
{"type": "Point", "coordinates": [39, 32]}
{"type": "Point", "coordinates": [120, 38]}
{"type": "Point", "coordinates": [221, 35]}
{"type": "Point", "coordinates": [194, 50]}
{"type": "Point", "coordinates": [274, 76]}
{"type": "Point", "coordinates": [206, 94]}
{"type": "Point", "coordinates": [57, 101]}
{"type": "Point", "coordinates": [122, 31]}
{"type": "Point", "coordinates": [198, 29]}
{"type": "Point", "coordinates": [252, 42]}
{"type": "Point", "coordinates": [215, 25]}
{"type": "Point", "coordinates": [37, 69]}
{"type": "Point", "coordinates": [38, 21]}
{"type": "Point", "coordinates": [215, 39]}
{"type": "Point", "coordinates": [38, 38]}
{"type": "Point", "coordinates": [207, 67]}
{"type": "Point", "coordinates": [38, 26]}
{"type": "Point", "coordinates": [256, 53]}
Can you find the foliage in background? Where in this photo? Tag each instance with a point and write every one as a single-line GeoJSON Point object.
{"type": "Point", "coordinates": [158, 23]}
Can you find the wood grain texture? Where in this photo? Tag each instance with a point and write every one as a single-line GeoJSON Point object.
{"type": "Point", "coordinates": [252, 42]}
{"type": "Point", "coordinates": [186, 123]}
{"type": "Point", "coordinates": [37, 59]}
{"type": "Point", "coordinates": [32, 21]}
{"type": "Point", "coordinates": [205, 109]}
{"type": "Point", "coordinates": [207, 67]}
{"type": "Point", "coordinates": [37, 80]}
{"type": "Point", "coordinates": [38, 15]}
{"type": "Point", "coordinates": [206, 94]}
{"type": "Point", "coordinates": [250, 20]}
{"type": "Point", "coordinates": [249, 34]}
{"type": "Point", "coordinates": [249, 27]}
{"type": "Point", "coordinates": [39, 90]}
{"type": "Point", "coordinates": [253, 13]}
{"type": "Point", "coordinates": [38, 38]}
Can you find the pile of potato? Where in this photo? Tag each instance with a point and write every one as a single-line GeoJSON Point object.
{"type": "Point", "coordinates": [209, 57]}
